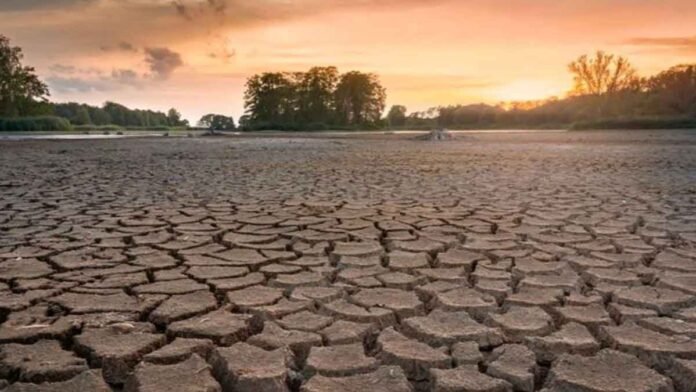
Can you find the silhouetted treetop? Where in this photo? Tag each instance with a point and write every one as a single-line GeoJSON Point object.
{"type": "Point", "coordinates": [397, 116]}
{"type": "Point", "coordinates": [675, 89]}
{"type": "Point", "coordinates": [217, 122]}
{"type": "Point", "coordinates": [314, 99]}
{"type": "Point", "coordinates": [359, 98]}
{"type": "Point", "coordinates": [604, 73]}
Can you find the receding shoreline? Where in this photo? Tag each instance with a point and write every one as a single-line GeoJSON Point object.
{"type": "Point", "coordinates": [502, 136]}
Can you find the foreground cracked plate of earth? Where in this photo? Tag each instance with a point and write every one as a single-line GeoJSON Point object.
{"type": "Point", "coordinates": [499, 264]}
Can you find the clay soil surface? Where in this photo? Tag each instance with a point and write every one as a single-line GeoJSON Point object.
{"type": "Point", "coordinates": [554, 261]}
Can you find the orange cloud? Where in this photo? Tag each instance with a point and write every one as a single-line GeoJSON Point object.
{"type": "Point", "coordinates": [427, 52]}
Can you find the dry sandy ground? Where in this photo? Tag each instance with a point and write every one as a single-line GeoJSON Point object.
{"type": "Point", "coordinates": [497, 262]}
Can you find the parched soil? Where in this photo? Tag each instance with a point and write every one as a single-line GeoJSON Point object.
{"type": "Point", "coordinates": [494, 262]}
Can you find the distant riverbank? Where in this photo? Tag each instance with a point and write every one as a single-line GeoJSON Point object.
{"type": "Point", "coordinates": [637, 123]}
{"type": "Point", "coordinates": [597, 128]}
{"type": "Point", "coordinates": [73, 135]}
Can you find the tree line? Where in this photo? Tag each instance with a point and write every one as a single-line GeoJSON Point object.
{"type": "Point", "coordinates": [116, 114]}
{"type": "Point", "coordinates": [606, 93]}
{"type": "Point", "coordinates": [319, 98]}
{"type": "Point", "coordinates": [24, 105]}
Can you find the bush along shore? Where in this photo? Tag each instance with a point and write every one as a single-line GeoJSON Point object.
{"type": "Point", "coordinates": [637, 123]}
{"type": "Point", "coordinates": [59, 124]}
{"type": "Point", "coordinates": [35, 123]}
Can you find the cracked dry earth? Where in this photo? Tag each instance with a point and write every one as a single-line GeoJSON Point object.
{"type": "Point", "coordinates": [554, 262]}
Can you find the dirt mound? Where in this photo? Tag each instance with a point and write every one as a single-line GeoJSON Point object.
{"type": "Point", "coordinates": [437, 135]}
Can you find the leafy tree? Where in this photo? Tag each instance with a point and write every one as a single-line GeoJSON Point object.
{"type": "Point", "coordinates": [65, 110]}
{"type": "Point", "coordinates": [609, 80]}
{"type": "Point", "coordinates": [136, 119]}
{"type": "Point", "coordinates": [217, 122]}
{"type": "Point", "coordinates": [116, 112]}
{"type": "Point", "coordinates": [603, 74]}
{"type": "Point", "coordinates": [397, 116]}
{"type": "Point", "coordinates": [78, 114]}
{"type": "Point", "coordinates": [271, 98]}
{"type": "Point", "coordinates": [99, 116]}
{"type": "Point", "coordinates": [174, 118]}
{"type": "Point", "coordinates": [313, 99]}
{"type": "Point", "coordinates": [675, 88]}
{"type": "Point", "coordinates": [359, 99]}
{"type": "Point", "coordinates": [315, 95]}
{"type": "Point", "coordinates": [206, 121]}
{"type": "Point", "coordinates": [20, 88]}
{"type": "Point", "coordinates": [81, 117]}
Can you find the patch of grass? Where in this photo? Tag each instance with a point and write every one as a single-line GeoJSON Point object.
{"type": "Point", "coordinates": [110, 127]}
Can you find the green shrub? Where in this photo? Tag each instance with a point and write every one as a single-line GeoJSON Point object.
{"type": "Point", "coordinates": [270, 126]}
{"type": "Point", "coordinates": [315, 126]}
{"type": "Point", "coordinates": [37, 123]}
{"type": "Point", "coordinates": [114, 127]}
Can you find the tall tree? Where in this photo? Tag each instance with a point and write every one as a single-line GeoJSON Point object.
{"type": "Point", "coordinates": [359, 99]}
{"type": "Point", "coordinates": [602, 74]}
{"type": "Point", "coordinates": [271, 97]}
{"type": "Point", "coordinates": [307, 99]}
{"type": "Point", "coordinates": [315, 95]}
{"type": "Point", "coordinates": [174, 117]}
{"type": "Point", "coordinates": [397, 116]}
{"type": "Point", "coordinates": [81, 116]}
{"type": "Point", "coordinates": [217, 122]}
{"type": "Point", "coordinates": [20, 88]}
{"type": "Point", "coordinates": [99, 116]}
{"type": "Point", "coordinates": [675, 88]}
{"type": "Point", "coordinates": [116, 112]}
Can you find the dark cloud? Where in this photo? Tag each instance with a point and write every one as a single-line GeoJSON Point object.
{"type": "Point", "coordinates": [218, 6]}
{"type": "Point", "coordinates": [682, 45]}
{"type": "Point", "coordinates": [263, 10]}
{"type": "Point", "coordinates": [88, 80]}
{"type": "Point", "coordinates": [123, 46]}
{"type": "Point", "coordinates": [226, 55]}
{"type": "Point", "coordinates": [76, 85]}
{"type": "Point", "coordinates": [182, 10]}
{"type": "Point", "coordinates": [221, 48]}
{"type": "Point", "coordinates": [67, 69]}
{"type": "Point", "coordinates": [127, 46]}
{"type": "Point", "coordinates": [201, 9]}
{"type": "Point", "coordinates": [162, 62]}
{"type": "Point", "coordinates": [663, 41]}
{"type": "Point", "coordinates": [63, 69]}
{"type": "Point", "coordinates": [125, 76]}
{"type": "Point", "coordinates": [32, 5]}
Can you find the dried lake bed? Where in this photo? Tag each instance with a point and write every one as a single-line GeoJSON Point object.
{"type": "Point", "coordinates": [500, 261]}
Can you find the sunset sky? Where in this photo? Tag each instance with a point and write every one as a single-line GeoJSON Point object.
{"type": "Point", "coordinates": [196, 54]}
